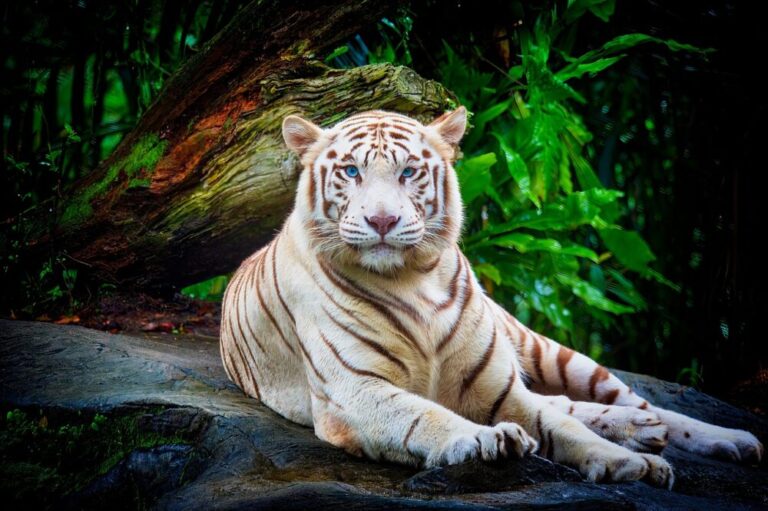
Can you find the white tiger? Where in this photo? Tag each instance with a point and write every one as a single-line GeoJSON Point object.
{"type": "Point", "coordinates": [363, 319]}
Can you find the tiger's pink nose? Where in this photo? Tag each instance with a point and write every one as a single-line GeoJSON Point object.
{"type": "Point", "coordinates": [382, 224]}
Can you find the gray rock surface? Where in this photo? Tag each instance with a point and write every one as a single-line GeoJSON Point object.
{"type": "Point", "coordinates": [244, 456]}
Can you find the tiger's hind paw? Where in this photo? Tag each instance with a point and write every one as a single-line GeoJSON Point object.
{"type": "Point", "coordinates": [602, 463]}
{"type": "Point", "coordinates": [709, 440]}
{"type": "Point", "coordinates": [734, 445]}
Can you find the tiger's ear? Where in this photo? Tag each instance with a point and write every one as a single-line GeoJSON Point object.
{"type": "Point", "coordinates": [451, 125]}
{"type": "Point", "coordinates": [299, 134]}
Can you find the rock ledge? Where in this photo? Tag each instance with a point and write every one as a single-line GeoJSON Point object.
{"type": "Point", "coordinates": [239, 454]}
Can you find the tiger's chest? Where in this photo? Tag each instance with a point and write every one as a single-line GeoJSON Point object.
{"type": "Point", "coordinates": [428, 306]}
{"type": "Point", "coordinates": [425, 323]}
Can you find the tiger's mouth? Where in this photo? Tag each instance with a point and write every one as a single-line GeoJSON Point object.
{"type": "Point", "coordinates": [382, 247]}
{"type": "Point", "coordinates": [379, 250]}
{"type": "Point", "coordinates": [381, 257]}
{"type": "Point", "coordinates": [385, 248]}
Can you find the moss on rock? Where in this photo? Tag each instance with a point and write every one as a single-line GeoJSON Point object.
{"type": "Point", "coordinates": [137, 166]}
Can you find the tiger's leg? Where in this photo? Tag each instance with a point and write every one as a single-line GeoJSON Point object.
{"type": "Point", "coordinates": [635, 429]}
{"type": "Point", "coordinates": [565, 439]}
{"type": "Point", "coordinates": [358, 404]}
{"type": "Point", "coordinates": [396, 425]}
{"type": "Point", "coordinates": [555, 369]}
{"type": "Point", "coordinates": [488, 387]}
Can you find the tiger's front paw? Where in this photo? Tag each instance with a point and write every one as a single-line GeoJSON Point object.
{"type": "Point", "coordinates": [659, 471]}
{"type": "Point", "coordinates": [616, 464]}
{"type": "Point", "coordinates": [488, 443]}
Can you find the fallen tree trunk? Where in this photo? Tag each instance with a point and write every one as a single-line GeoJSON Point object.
{"type": "Point", "coordinates": [204, 179]}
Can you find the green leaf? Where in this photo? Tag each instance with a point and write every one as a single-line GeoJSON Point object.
{"type": "Point", "coordinates": [46, 270]}
{"type": "Point", "coordinates": [592, 295]}
{"type": "Point", "coordinates": [474, 175]}
{"type": "Point", "coordinates": [624, 289]}
{"type": "Point", "coordinates": [526, 243]}
{"type": "Point", "coordinates": [338, 52]}
{"type": "Point", "coordinates": [517, 169]}
{"type": "Point", "coordinates": [551, 306]}
{"type": "Point", "coordinates": [70, 277]}
{"type": "Point", "coordinates": [661, 279]}
{"type": "Point", "coordinates": [564, 172]}
{"type": "Point", "coordinates": [488, 270]}
{"type": "Point", "coordinates": [580, 251]}
{"type": "Point", "coordinates": [515, 73]}
{"type": "Point", "coordinates": [523, 242]}
{"type": "Point", "coordinates": [209, 290]}
{"type": "Point", "coordinates": [539, 292]}
{"type": "Point", "coordinates": [544, 88]}
{"type": "Point", "coordinates": [584, 172]}
{"type": "Point", "coordinates": [629, 248]}
{"type": "Point", "coordinates": [589, 67]}
{"type": "Point", "coordinates": [55, 292]}
{"type": "Point", "coordinates": [603, 9]}
{"type": "Point", "coordinates": [597, 277]}
{"type": "Point", "coordinates": [624, 42]}
{"type": "Point", "coordinates": [558, 263]}
{"type": "Point", "coordinates": [491, 192]}
{"type": "Point", "coordinates": [72, 136]}
{"type": "Point", "coordinates": [491, 113]}
{"type": "Point", "coordinates": [578, 208]}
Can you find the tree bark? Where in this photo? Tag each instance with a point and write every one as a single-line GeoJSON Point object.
{"type": "Point", "coordinates": [205, 179]}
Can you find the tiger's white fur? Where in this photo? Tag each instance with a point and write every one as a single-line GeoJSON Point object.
{"type": "Point", "coordinates": [379, 335]}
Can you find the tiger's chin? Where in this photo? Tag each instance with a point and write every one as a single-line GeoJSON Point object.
{"type": "Point", "coordinates": [382, 258]}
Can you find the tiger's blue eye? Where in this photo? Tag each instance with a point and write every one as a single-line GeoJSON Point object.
{"type": "Point", "coordinates": [352, 171]}
{"type": "Point", "coordinates": [408, 172]}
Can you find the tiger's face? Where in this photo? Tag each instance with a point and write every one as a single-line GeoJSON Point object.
{"type": "Point", "coordinates": [378, 189]}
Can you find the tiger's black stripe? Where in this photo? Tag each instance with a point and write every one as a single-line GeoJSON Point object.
{"type": "Point", "coordinates": [391, 318]}
{"type": "Point", "coordinates": [370, 343]}
{"type": "Point", "coordinates": [347, 365]}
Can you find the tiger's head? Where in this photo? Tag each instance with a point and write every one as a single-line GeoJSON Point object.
{"type": "Point", "coordinates": [378, 190]}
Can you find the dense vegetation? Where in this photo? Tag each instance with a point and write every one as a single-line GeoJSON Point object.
{"type": "Point", "coordinates": [598, 175]}
{"type": "Point", "coordinates": [46, 456]}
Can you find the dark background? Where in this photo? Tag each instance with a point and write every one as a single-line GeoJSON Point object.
{"type": "Point", "coordinates": [693, 180]}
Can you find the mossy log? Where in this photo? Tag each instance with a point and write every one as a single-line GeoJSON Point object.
{"type": "Point", "coordinates": [205, 178]}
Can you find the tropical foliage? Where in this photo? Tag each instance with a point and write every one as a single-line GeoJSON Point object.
{"type": "Point", "coordinates": [543, 232]}
{"type": "Point", "coordinates": [590, 150]}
